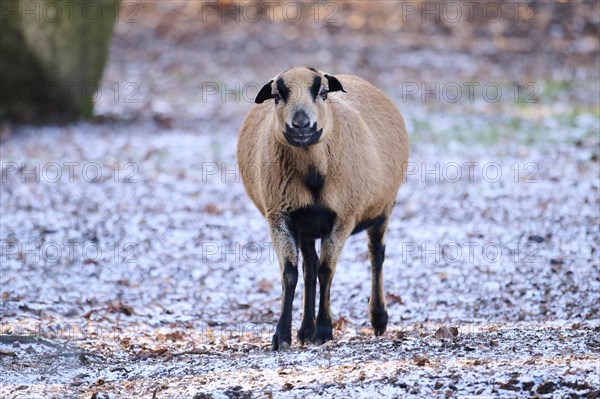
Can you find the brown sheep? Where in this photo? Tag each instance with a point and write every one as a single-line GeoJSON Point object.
{"type": "Point", "coordinates": [329, 166]}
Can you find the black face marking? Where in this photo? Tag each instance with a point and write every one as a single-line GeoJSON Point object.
{"type": "Point", "coordinates": [315, 88]}
{"type": "Point", "coordinates": [283, 90]}
{"type": "Point", "coordinates": [365, 224]}
{"type": "Point", "coordinates": [313, 221]}
{"type": "Point", "coordinates": [314, 181]}
{"type": "Point", "coordinates": [312, 69]}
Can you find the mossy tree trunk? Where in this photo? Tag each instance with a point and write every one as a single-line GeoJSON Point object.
{"type": "Point", "coordinates": [52, 54]}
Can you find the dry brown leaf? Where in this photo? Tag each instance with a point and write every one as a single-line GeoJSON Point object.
{"type": "Point", "coordinates": [7, 353]}
{"type": "Point", "coordinates": [120, 308]}
{"type": "Point", "coordinates": [420, 360]}
{"type": "Point", "coordinates": [153, 353]}
{"type": "Point", "coordinates": [340, 323]}
{"type": "Point", "coordinates": [264, 286]}
{"type": "Point", "coordinates": [172, 336]}
{"type": "Point", "coordinates": [211, 209]}
{"type": "Point", "coordinates": [446, 333]}
{"type": "Point", "coordinates": [287, 387]}
{"type": "Point", "coordinates": [393, 298]}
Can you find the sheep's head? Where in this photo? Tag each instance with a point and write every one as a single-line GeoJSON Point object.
{"type": "Point", "coordinates": [302, 114]}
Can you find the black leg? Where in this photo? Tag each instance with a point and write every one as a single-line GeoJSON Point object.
{"type": "Point", "coordinates": [309, 268]}
{"type": "Point", "coordinates": [331, 248]}
{"type": "Point", "coordinates": [283, 334]}
{"type": "Point", "coordinates": [324, 331]}
{"type": "Point", "coordinates": [287, 254]}
{"type": "Point", "coordinates": [377, 306]}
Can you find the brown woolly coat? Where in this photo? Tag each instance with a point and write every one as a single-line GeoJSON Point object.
{"type": "Point", "coordinates": [363, 160]}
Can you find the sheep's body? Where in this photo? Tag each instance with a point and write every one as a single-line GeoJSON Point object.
{"type": "Point", "coordinates": [361, 165]}
{"type": "Point", "coordinates": [340, 185]}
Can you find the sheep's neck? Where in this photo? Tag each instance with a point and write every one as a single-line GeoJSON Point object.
{"type": "Point", "coordinates": [312, 158]}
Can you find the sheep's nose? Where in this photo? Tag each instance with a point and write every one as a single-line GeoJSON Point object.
{"type": "Point", "coordinates": [300, 120]}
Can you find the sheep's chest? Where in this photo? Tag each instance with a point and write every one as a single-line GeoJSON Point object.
{"type": "Point", "coordinates": [313, 221]}
{"type": "Point", "coordinates": [316, 219]}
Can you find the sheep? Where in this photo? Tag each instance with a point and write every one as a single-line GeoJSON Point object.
{"type": "Point", "coordinates": [331, 154]}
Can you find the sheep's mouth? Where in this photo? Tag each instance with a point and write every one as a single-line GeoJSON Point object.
{"type": "Point", "coordinates": [302, 137]}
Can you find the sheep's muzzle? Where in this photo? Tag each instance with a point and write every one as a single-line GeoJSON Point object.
{"type": "Point", "coordinates": [302, 137]}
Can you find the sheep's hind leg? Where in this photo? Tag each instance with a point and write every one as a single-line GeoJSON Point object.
{"type": "Point", "coordinates": [377, 306]}
{"type": "Point", "coordinates": [309, 268]}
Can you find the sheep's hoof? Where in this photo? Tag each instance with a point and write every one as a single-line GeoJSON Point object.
{"type": "Point", "coordinates": [323, 334]}
{"type": "Point", "coordinates": [280, 343]}
{"type": "Point", "coordinates": [306, 334]}
{"type": "Point", "coordinates": [379, 320]}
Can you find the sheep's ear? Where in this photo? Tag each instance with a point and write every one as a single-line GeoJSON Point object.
{"type": "Point", "coordinates": [334, 84]}
{"type": "Point", "coordinates": [264, 93]}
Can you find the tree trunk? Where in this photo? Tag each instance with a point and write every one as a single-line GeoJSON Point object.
{"type": "Point", "coordinates": [52, 54]}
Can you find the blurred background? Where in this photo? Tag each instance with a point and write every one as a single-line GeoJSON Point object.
{"type": "Point", "coordinates": [122, 206]}
{"type": "Point", "coordinates": [119, 124]}
{"type": "Point", "coordinates": [185, 62]}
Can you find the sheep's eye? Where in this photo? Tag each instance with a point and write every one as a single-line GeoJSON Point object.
{"type": "Point", "coordinates": [276, 97]}
{"type": "Point", "coordinates": [323, 93]}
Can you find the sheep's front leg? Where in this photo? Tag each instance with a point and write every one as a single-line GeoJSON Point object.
{"type": "Point", "coordinates": [331, 248]}
{"type": "Point", "coordinates": [309, 268]}
{"type": "Point", "coordinates": [287, 254]}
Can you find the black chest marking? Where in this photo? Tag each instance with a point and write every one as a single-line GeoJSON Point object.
{"type": "Point", "coordinates": [313, 221]}
{"type": "Point", "coordinates": [314, 181]}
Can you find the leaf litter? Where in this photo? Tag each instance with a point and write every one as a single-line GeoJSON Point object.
{"type": "Point", "coordinates": [182, 298]}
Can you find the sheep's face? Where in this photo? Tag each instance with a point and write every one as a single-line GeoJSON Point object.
{"type": "Point", "coordinates": [302, 116]}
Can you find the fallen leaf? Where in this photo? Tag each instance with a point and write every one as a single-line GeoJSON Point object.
{"type": "Point", "coordinates": [264, 286]}
{"type": "Point", "coordinates": [7, 353]}
{"type": "Point", "coordinates": [536, 239]}
{"type": "Point", "coordinates": [577, 326]}
{"type": "Point", "coordinates": [120, 308]}
{"type": "Point", "coordinates": [546, 387]}
{"type": "Point", "coordinates": [172, 336]}
{"type": "Point", "coordinates": [446, 333]}
{"type": "Point", "coordinates": [287, 386]}
{"type": "Point", "coordinates": [420, 360]}
{"type": "Point", "coordinates": [401, 335]}
{"type": "Point", "coordinates": [393, 298]}
{"type": "Point", "coordinates": [340, 323]}
{"type": "Point", "coordinates": [211, 209]}
{"type": "Point", "coordinates": [153, 353]}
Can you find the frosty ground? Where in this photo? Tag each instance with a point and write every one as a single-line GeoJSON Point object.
{"type": "Point", "coordinates": [156, 279]}
{"type": "Point", "coordinates": [134, 265]}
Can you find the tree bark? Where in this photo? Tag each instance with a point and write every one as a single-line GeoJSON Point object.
{"type": "Point", "coordinates": [52, 54]}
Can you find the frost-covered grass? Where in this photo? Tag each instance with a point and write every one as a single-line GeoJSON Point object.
{"type": "Point", "coordinates": [533, 124]}
{"type": "Point", "coordinates": [495, 232]}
